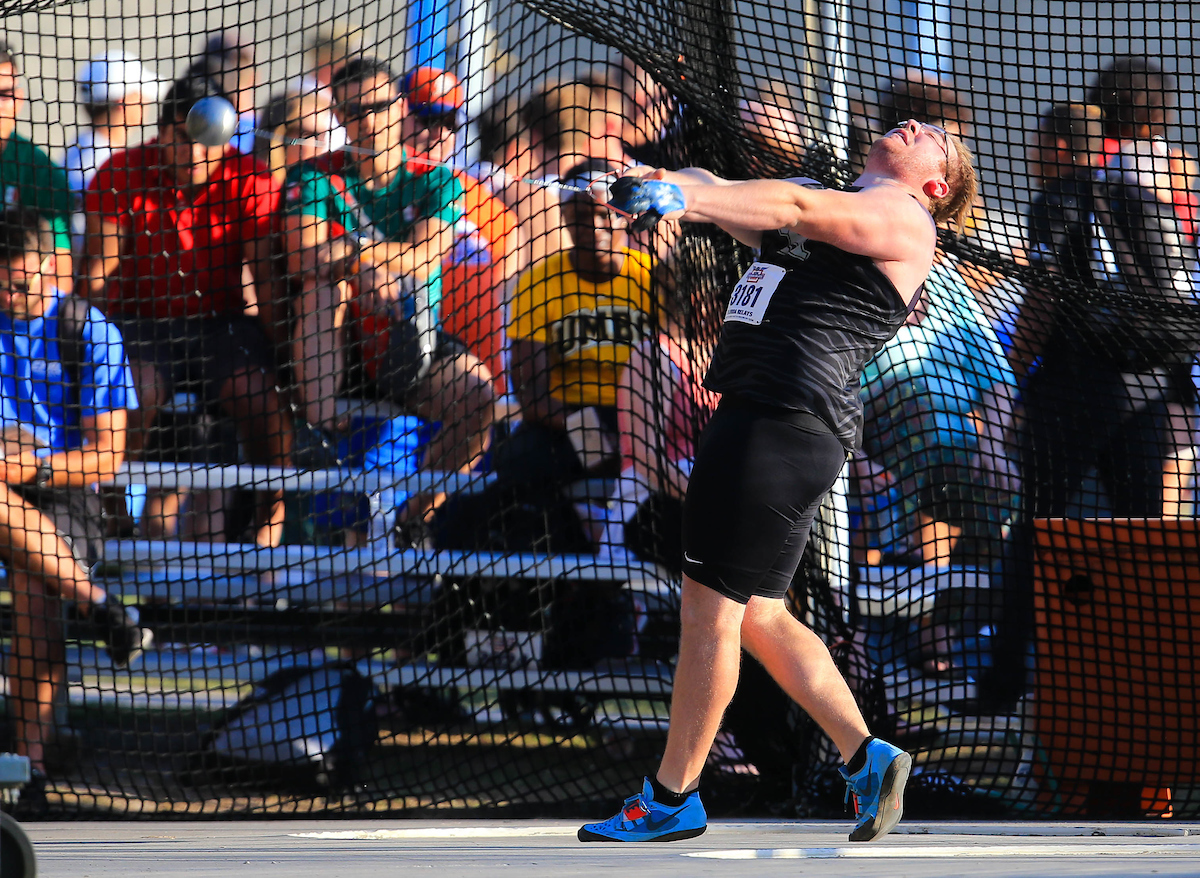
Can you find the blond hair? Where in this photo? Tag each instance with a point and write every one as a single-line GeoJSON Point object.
{"type": "Point", "coordinates": [955, 206]}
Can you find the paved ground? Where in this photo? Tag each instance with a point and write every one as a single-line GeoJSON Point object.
{"type": "Point", "coordinates": [481, 849]}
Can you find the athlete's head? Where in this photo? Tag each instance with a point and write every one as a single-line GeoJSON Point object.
{"type": "Point", "coordinates": [932, 161]}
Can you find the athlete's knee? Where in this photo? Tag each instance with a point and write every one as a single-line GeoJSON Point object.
{"type": "Point", "coordinates": [705, 608]}
{"type": "Point", "coordinates": [761, 622]}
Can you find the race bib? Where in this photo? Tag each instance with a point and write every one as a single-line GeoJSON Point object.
{"type": "Point", "coordinates": [753, 293]}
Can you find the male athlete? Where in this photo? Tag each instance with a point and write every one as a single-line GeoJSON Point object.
{"type": "Point", "coordinates": [837, 274]}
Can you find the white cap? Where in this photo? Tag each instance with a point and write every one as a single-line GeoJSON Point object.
{"type": "Point", "coordinates": [109, 77]}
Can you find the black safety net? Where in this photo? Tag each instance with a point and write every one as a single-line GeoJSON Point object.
{"type": "Point", "coordinates": [346, 431]}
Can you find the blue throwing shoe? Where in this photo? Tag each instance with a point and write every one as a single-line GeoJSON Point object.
{"type": "Point", "coordinates": [643, 819]}
{"type": "Point", "coordinates": [878, 790]}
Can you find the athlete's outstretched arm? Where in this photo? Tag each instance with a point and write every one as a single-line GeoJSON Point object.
{"type": "Point", "coordinates": [882, 221]}
{"type": "Point", "coordinates": [748, 236]}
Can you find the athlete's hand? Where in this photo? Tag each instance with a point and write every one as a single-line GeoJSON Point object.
{"type": "Point", "coordinates": [646, 199]}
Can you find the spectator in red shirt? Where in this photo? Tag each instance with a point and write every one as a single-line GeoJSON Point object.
{"type": "Point", "coordinates": [171, 226]}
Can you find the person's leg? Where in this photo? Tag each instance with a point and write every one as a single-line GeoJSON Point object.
{"type": "Point", "coordinates": [205, 517]}
{"type": "Point", "coordinates": [1057, 448]}
{"type": "Point", "coordinates": [1065, 416]}
{"type": "Point", "coordinates": [31, 544]}
{"type": "Point", "coordinates": [798, 660]}
{"type": "Point", "coordinates": [251, 399]}
{"type": "Point", "coordinates": [319, 350]}
{"type": "Point", "coordinates": [153, 392]}
{"type": "Point", "coordinates": [36, 664]}
{"type": "Point", "coordinates": [153, 347]}
{"type": "Point", "coordinates": [706, 675]}
{"type": "Point", "coordinates": [458, 394]}
{"type": "Point", "coordinates": [1132, 460]}
{"type": "Point", "coordinates": [160, 516]}
{"type": "Point", "coordinates": [1180, 465]}
{"type": "Point", "coordinates": [936, 539]}
{"type": "Point", "coordinates": [752, 496]}
{"type": "Point", "coordinates": [232, 359]}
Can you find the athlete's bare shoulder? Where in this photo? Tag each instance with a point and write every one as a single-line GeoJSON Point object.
{"type": "Point", "coordinates": [806, 182]}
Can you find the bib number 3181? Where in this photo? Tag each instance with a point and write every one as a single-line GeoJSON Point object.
{"type": "Point", "coordinates": [750, 298]}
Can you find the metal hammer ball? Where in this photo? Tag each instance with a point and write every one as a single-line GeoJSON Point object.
{"type": "Point", "coordinates": [212, 121]}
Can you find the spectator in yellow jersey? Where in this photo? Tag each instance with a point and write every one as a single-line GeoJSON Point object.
{"type": "Point", "coordinates": [575, 319]}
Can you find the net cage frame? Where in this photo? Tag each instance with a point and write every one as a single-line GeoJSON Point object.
{"type": "Point", "coordinates": [1004, 573]}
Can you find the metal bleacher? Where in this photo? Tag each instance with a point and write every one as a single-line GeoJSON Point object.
{"type": "Point", "coordinates": [284, 598]}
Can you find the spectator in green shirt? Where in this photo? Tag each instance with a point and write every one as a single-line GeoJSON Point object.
{"type": "Point", "coordinates": [365, 235]}
{"type": "Point", "coordinates": [28, 178]}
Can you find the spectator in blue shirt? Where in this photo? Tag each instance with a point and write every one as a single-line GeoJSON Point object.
{"type": "Point", "coordinates": [939, 402]}
{"type": "Point", "coordinates": [64, 394]}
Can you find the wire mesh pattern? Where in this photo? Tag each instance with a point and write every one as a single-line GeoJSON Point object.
{"type": "Point", "coordinates": [346, 431]}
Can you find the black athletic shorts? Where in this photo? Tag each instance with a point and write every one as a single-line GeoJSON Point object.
{"type": "Point", "coordinates": [759, 478]}
{"type": "Point", "coordinates": [198, 354]}
{"type": "Point", "coordinates": [78, 516]}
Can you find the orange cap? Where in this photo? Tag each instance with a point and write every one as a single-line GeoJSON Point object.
{"type": "Point", "coordinates": [432, 91]}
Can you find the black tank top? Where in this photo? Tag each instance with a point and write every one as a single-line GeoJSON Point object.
{"type": "Point", "coordinates": [830, 314]}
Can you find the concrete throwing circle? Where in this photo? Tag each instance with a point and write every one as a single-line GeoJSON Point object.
{"type": "Point", "coordinates": [941, 851]}
{"type": "Point", "coordinates": [446, 832]}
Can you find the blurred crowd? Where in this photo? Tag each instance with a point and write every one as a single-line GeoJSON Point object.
{"type": "Point", "coordinates": [361, 238]}
{"type": "Point", "coordinates": [361, 245]}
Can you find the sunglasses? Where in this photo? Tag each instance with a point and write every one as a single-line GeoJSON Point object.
{"type": "Point", "coordinates": [446, 121]}
{"type": "Point", "coordinates": [945, 144]}
{"type": "Point", "coordinates": [356, 110]}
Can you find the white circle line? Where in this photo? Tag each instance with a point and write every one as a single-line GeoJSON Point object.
{"type": "Point", "coordinates": [906, 851]}
{"type": "Point", "coordinates": [446, 832]}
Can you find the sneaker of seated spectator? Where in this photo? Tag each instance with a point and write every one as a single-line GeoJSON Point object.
{"type": "Point", "coordinates": [180, 305]}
